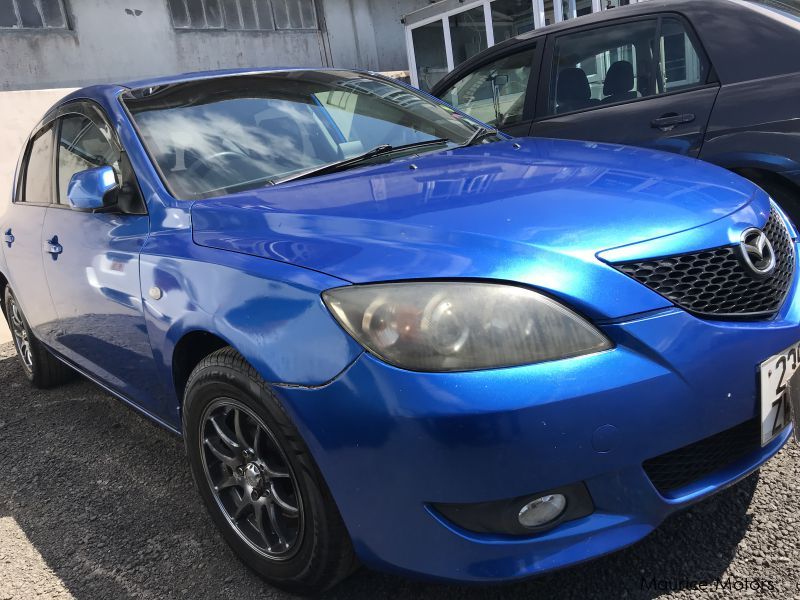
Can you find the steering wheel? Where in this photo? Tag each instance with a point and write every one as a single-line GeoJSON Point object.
{"type": "Point", "coordinates": [202, 166]}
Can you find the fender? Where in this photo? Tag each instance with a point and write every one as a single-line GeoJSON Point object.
{"type": "Point", "coordinates": [773, 163]}
{"type": "Point", "coordinates": [256, 305]}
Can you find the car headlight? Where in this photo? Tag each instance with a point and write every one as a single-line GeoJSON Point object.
{"type": "Point", "coordinates": [460, 326]}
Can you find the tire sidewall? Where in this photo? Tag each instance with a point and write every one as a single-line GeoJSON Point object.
{"type": "Point", "coordinates": [30, 373]}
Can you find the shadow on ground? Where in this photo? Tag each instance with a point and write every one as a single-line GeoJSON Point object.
{"type": "Point", "coordinates": [105, 497]}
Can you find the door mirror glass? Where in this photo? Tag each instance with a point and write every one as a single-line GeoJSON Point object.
{"type": "Point", "coordinates": [494, 93]}
{"type": "Point", "coordinates": [92, 189]}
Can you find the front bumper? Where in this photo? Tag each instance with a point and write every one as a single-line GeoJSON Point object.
{"type": "Point", "coordinates": [391, 442]}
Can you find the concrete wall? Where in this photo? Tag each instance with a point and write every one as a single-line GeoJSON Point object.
{"type": "Point", "coordinates": [368, 34]}
{"type": "Point", "coordinates": [107, 44]}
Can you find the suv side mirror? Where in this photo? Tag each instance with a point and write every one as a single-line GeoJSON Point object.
{"type": "Point", "coordinates": [92, 189]}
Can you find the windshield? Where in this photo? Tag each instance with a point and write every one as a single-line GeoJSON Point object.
{"type": "Point", "coordinates": [215, 136]}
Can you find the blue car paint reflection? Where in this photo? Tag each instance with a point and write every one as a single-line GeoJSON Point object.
{"type": "Point", "coordinates": [551, 215]}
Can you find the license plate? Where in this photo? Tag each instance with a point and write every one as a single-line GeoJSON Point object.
{"type": "Point", "coordinates": [780, 393]}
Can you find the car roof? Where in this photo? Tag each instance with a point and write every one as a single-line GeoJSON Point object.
{"type": "Point", "coordinates": [111, 88]}
{"type": "Point", "coordinates": [640, 8]}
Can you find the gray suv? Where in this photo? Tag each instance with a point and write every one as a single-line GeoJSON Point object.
{"type": "Point", "coordinates": [718, 80]}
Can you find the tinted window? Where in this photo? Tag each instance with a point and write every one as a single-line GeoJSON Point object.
{"type": "Point", "coordinates": [230, 134]}
{"type": "Point", "coordinates": [81, 146]}
{"type": "Point", "coordinates": [495, 93]}
{"type": "Point", "coordinates": [682, 65]}
{"type": "Point", "coordinates": [38, 181]}
{"type": "Point", "coordinates": [622, 63]}
{"type": "Point", "coordinates": [602, 66]}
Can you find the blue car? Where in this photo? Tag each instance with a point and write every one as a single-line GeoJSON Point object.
{"type": "Point", "coordinates": [392, 336]}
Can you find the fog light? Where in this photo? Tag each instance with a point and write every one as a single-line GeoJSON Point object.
{"type": "Point", "coordinates": [542, 511]}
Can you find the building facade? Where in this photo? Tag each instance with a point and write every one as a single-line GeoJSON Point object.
{"type": "Point", "coordinates": [71, 43]}
{"type": "Point", "coordinates": [446, 33]}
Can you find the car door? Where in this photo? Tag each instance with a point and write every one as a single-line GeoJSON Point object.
{"type": "Point", "coordinates": [644, 81]}
{"type": "Point", "coordinates": [92, 265]}
{"type": "Point", "coordinates": [500, 91]}
{"type": "Point", "coordinates": [21, 228]}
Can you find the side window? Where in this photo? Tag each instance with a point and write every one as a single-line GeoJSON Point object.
{"type": "Point", "coordinates": [495, 93]}
{"type": "Point", "coordinates": [602, 66]}
{"type": "Point", "coordinates": [38, 186]}
{"type": "Point", "coordinates": [682, 65]}
{"type": "Point", "coordinates": [81, 146]}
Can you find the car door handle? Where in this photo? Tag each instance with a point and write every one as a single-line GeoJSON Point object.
{"type": "Point", "coordinates": [53, 247]}
{"type": "Point", "coordinates": [668, 121]}
{"type": "Point", "coordinates": [9, 238]}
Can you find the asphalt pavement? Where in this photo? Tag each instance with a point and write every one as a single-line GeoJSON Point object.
{"type": "Point", "coordinates": [96, 502]}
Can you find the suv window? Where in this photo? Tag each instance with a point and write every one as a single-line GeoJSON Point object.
{"type": "Point", "coordinates": [495, 93]}
{"type": "Point", "coordinates": [38, 187]}
{"type": "Point", "coordinates": [681, 66]}
{"type": "Point", "coordinates": [601, 66]}
{"type": "Point", "coordinates": [81, 146]}
{"type": "Point", "coordinates": [623, 62]}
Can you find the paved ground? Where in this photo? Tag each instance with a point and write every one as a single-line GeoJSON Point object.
{"type": "Point", "coordinates": [97, 503]}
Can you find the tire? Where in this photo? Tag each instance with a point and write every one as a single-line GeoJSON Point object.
{"type": "Point", "coordinates": [241, 443]}
{"type": "Point", "coordinates": [41, 368]}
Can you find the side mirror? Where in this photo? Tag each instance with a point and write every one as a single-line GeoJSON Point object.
{"type": "Point", "coordinates": [91, 189]}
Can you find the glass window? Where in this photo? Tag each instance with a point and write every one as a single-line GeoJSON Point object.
{"type": "Point", "coordinates": [32, 14]}
{"type": "Point", "coordinates": [219, 136]}
{"type": "Point", "coordinates": [575, 8]}
{"type": "Point", "coordinates": [511, 18]}
{"type": "Point", "coordinates": [81, 146]}
{"type": "Point", "coordinates": [495, 93]}
{"type": "Point", "coordinates": [429, 54]}
{"type": "Point", "coordinates": [603, 66]}
{"type": "Point", "coordinates": [681, 63]}
{"type": "Point", "coordinates": [237, 15]}
{"type": "Point", "coordinates": [38, 181]}
{"type": "Point", "coordinates": [294, 14]}
{"type": "Point", "coordinates": [549, 12]}
{"type": "Point", "coordinates": [467, 34]}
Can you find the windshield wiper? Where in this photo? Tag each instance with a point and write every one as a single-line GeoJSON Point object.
{"type": "Point", "coordinates": [479, 134]}
{"type": "Point", "coordinates": [356, 160]}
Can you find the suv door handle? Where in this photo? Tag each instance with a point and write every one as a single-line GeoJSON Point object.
{"type": "Point", "coordinates": [9, 238]}
{"type": "Point", "coordinates": [53, 247]}
{"type": "Point", "coordinates": [668, 121]}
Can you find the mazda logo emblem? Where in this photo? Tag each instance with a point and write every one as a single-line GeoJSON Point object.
{"type": "Point", "coordinates": [757, 252]}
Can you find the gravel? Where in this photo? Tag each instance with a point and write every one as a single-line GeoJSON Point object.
{"type": "Point", "coordinates": [96, 502]}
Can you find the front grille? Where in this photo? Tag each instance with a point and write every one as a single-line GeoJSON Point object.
{"type": "Point", "coordinates": [716, 283]}
{"type": "Point", "coordinates": [683, 466]}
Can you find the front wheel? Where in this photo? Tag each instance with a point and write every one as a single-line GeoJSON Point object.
{"type": "Point", "coordinates": [41, 368]}
{"type": "Point", "coordinates": [258, 480]}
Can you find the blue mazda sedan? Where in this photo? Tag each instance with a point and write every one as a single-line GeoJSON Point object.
{"type": "Point", "coordinates": [390, 335]}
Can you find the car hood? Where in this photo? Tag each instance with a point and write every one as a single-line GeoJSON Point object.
{"type": "Point", "coordinates": [533, 211]}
